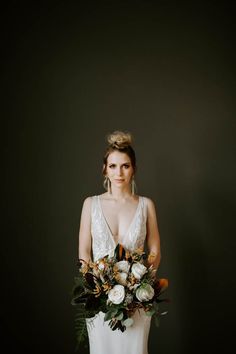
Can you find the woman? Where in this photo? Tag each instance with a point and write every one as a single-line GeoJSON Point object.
{"type": "Point", "coordinates": [118, 216]}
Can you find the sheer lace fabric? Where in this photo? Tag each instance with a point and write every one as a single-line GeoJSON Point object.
{"type": "Point", "coordinates": [102, 340]}
{"type": "Point", "coordinates": [102, 239]}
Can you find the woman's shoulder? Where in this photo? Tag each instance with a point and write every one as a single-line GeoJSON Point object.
{"type": "Point", "coordinates": [90, 198]}
{"type": "Point", "coordinates": [87, 201]}
{"type": "Point", "coordinates": [147, 199]}
{"type": "Point", "coordinates": [149, 202]}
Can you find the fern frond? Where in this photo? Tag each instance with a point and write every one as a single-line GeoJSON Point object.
{"type": "Point", "coordinates": [81, 333]}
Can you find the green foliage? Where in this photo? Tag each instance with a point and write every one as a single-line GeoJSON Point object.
{"type": "Point", "coordinates": [81, 333]}
{"type": "Point", "coordinates": [92, 292]}
{"type": "Point", "coordinates": [81, 300]}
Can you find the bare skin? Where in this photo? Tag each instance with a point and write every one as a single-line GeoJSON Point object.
{"type": "Point", "coordinates": [119, 209]}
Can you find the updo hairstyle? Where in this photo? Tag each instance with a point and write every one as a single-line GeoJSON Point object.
{"type": "Point", "coordinates": [119, 141]}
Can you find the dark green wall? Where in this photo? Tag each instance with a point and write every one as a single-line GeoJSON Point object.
{"type": "Point", "coordinates": [72, 74]}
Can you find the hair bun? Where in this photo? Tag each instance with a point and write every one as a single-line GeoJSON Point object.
{"type": "Point", "coordinates": [119, 139]}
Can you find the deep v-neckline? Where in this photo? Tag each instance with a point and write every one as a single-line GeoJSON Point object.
{"type": "Point", "coordinates": [107, 225]}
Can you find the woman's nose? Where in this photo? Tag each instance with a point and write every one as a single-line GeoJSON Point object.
{"type": "Point", "coordinates": [119, 171]}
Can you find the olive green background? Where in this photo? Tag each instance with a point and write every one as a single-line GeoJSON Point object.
{"type": "Point", "coordinates": [72, 74]}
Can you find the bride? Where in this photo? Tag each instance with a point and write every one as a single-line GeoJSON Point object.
{"type": "Point", "coordinates": [118, 216]}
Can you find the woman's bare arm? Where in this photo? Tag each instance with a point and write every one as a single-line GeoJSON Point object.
{"type": "Point", "coordinates": [153, 236]}
{"type": "Point", "coordinates": [84, 251]}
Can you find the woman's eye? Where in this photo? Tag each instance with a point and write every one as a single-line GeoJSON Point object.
{"type": "Point", "coordinates": [112, 166]}
{"type": "Point", "coordinates": [126, 166]}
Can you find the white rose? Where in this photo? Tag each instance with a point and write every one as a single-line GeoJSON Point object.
{"type": "Point", "coordinates": [123, 266]}
{"type": "Point", "coordinates": [138, 270]}
{"type": "Point", "coordinates": [121, 278]}
{"type": "Point", "coordinates": [144, 292]}
{"type": "Point", "coordinates": [117, 294]}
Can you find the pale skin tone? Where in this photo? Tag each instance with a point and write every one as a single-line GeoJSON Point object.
{"type": "Point", "coordinates": [119, 209]}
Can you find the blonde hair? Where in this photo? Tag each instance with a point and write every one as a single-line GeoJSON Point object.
{"type": "Point", "coordinates": [119, 139]}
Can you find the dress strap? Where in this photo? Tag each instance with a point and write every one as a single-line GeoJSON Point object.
{"type": "Point", "coordinates": [144, 207]}
{"type": "Point", "coordinates": [93, 204]}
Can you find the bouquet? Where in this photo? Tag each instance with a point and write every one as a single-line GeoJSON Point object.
{"type": "Point", "coordinates": [117, 286]}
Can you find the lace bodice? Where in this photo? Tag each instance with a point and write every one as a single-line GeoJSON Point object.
{"type": "Point", "coordinates": [103, 242]}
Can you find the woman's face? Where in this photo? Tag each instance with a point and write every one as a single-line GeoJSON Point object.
{"type": "Point", "coordinates": [119, 168]}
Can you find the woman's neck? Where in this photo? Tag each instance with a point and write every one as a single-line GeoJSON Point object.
{"type": "Point", "coordinates": [120, 194]}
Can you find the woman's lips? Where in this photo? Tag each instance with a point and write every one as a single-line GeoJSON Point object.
{"type": "Point", "coordinates": [119, 180]}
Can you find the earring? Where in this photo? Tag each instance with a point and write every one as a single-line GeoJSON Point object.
{"type": "Point", "coordinates": [107, 184]}
{"type": "Point", "coordinates": [133, 186]}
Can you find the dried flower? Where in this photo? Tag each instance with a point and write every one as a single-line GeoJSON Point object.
{"type": "Point", "coordinates": [119, 285]}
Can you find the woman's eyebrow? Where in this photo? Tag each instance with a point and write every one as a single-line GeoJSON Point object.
{"type": "Point", "coordinates": [124, 163]}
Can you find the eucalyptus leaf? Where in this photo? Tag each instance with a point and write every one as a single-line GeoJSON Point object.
{"type": "Point", "coordinates": [150, 313]}
{"type": "Point", "coordinates": [128, 322]}
{"type": "Point", "coordinates": [110, 314]}
{"type": "Point", "coordinates": [120, 316]}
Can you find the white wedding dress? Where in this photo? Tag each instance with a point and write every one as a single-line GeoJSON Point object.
{"type": "Point", "coordinates": [102, 340]}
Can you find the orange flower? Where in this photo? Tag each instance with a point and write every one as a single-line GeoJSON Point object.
{"type": "Point", "coordinates": [161, 285]}
{"type": "Point", "coordinates": [106, 286]}
{"type": "Point", "coordinates": [127, 255]}
{"type": "Point", "coordinates": [97, 290]}
{"type": "Point", "coordinates": [84, 268]}
{"type": "Point", "coordinates": [139, 250]}
{"type": "Point", "coordinates": [132, 279]}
